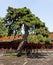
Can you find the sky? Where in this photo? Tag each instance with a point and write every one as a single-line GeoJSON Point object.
{"type": "Point", "coordinates": [41, 8]}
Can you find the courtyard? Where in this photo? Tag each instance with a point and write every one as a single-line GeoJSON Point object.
{"type": "Point", "coordinates": [46, 58]}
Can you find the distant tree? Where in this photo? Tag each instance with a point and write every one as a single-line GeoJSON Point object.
{"type": "Point", "coordinates": [3, 30]}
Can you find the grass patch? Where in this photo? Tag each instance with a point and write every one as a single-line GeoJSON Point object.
{"type": "Point", "coordinates": [10, 54]}
{"type": "Point", "coordinates": [15, 54]}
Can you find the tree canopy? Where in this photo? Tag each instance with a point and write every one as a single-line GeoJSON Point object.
{"type": "Point", "coordinates": [3, 30]}
{"type": "Point", "coordinates": [34, 29]}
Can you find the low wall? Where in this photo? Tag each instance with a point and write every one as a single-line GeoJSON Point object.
{"type": "Point", "coordinates": [14, 45]}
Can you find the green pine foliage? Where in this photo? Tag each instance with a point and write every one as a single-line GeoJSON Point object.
{"type": "Point", "coordinates": [3, 30]}
{"type": "Point", "coordinates": [32, 39]}
{"type": "Point", "coordinates": [16, 18]}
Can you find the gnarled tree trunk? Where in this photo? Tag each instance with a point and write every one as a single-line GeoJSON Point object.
{"type": "Point", "coordinates": [19, 49]}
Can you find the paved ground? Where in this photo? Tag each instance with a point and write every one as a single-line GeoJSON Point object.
{"type": "Point", "coordinates": [45, 58]}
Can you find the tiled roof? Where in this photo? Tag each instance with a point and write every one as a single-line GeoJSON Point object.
{"type": "Point", "coordinates": [10, 38]}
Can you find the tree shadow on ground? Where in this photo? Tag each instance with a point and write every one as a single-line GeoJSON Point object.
{"type": "Point", "coordinates": [37, 55]}
{"type": "Point", "coordinates": [33, 55]}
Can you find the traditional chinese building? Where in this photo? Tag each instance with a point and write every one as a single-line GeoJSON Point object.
{"type": "Point", "coordinates": [51, 36]}
{"type": "Point", "coordinates": [13, 42]}
{"type": "Point", "coordinates": [10, 42]}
